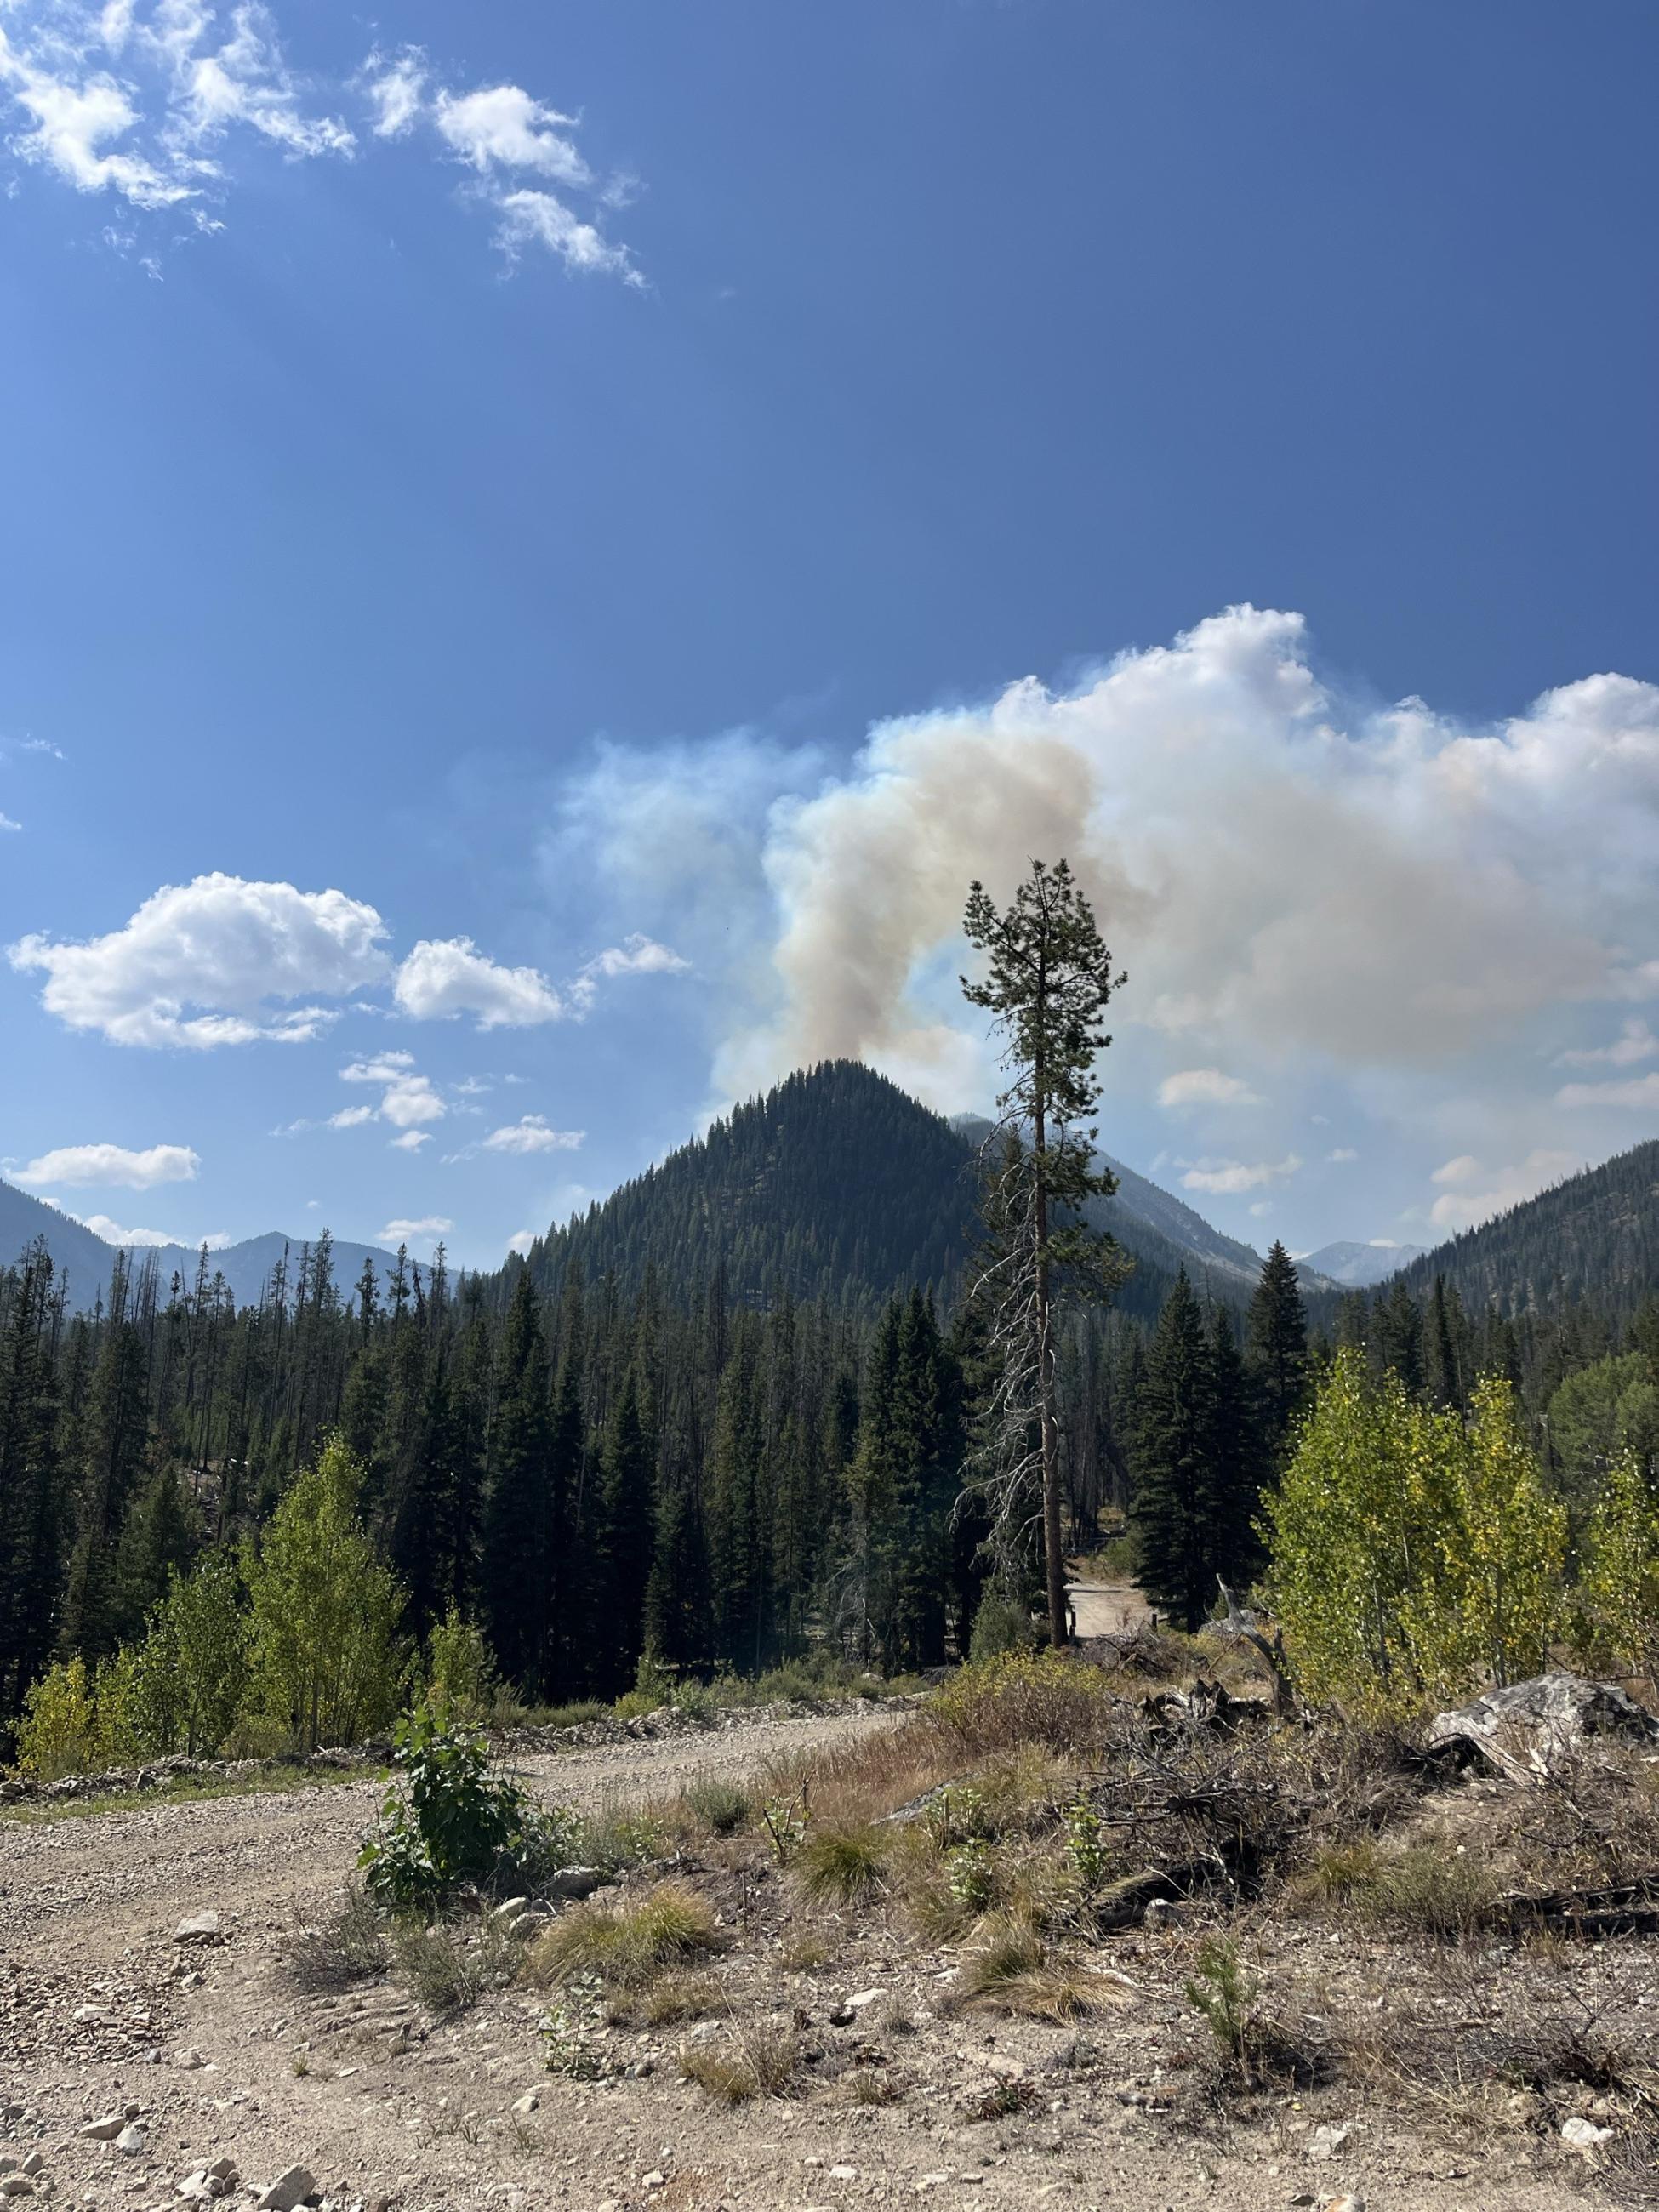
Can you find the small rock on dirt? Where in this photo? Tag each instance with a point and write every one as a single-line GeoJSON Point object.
{"type": "Point", "coordinates": [198, 1928]}
{"type": "Point", "coordinates": [288, 2191]}
{"type": "Point", "coordinates": [1580, 2134]}
{"type": "Point", "coordinates": [1333, 2136]}
{"type": "Point", "coordinates": [132, 2139]}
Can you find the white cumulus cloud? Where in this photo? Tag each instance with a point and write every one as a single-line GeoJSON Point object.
{"type": "Point", "coordinates": [215, 961]}
{"type": "Point", "coordinates": [445, 977]}
{"type": "Point", "coordinates": [1634, 1043]}
{"type": "Point", "coordinates": [138, 100]}
{"type": "Point", "coordinates": [1206, 1086]}
{"type": "Point", "coordinates": [501, 125]}
{"type": "Point", "coordinates": [79, 1167]}
{"type": "Point", "coordinates": [394, 86]}
{"type": "Point", "coordinates": [408, 1099]}
{"type": "Point", "coordinates": [531, 1133]}
{"type": "Point", "coordinates": [113, 1233]}
{"type": "Point", "coordinates": [427, 1229]}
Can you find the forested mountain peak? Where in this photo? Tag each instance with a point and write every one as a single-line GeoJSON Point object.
{"type": "Point", "coordinates": [1593, 1236]}
{"type": "Point", "coordinates": [836, 1184]}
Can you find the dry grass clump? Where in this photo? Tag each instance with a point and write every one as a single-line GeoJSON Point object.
{"type": "Point", "coordinates": [868, 1780]}
{"type": "Point", "coordinates": [1025, 1791]}
{"type": "Point", "coordinates": [752, 2061]}
{"type": "Point", "coordinates": [667, 2002]}
{"type": "Point", "coordinates": [446, 1973]}
{"type": "Point", "coordinates": [629, 1943]}
{"type": "Point", "coordinates": [804, 1954]}
{"type": "Point", "coordinates": [866, 2083]}
{"type": "Point", "coordinates": [1425, 1889]}
{"type": "Point", "coordinates": [1013, 1969]}
{"type": "Point", "coordinates": [843, 1863]}
{"type": "Point", "coordinates": [350, 1945]}
{"type": "Point", "coordinates": [719, 1809]}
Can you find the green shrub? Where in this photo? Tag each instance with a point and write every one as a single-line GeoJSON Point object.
{"type": "Point", "coordinates": [461, 1682]}
{"type": "Point", "coordinates": [59, 1732]}
{"type": "Point", "coordinates": [1024, 1697]}
{"type": "Point", "coordinates": [695, 1700]}
{"type": "Point", "coordinates": [1001, 1625]}
{"type": "Point", "coordinates": [190, 1673]}
{"type": "Point", "coordinates": [653, 1685]}
{"type": "Point", "coordinates": [457, 1822]}
{"type": "Point", "coordinates": [1224, 1994]}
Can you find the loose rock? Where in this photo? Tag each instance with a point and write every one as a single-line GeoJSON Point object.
{"type": "Point", "coordinates": [288, 2191]}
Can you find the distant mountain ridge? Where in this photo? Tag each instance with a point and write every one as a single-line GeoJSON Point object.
{"type": "Point", "coordinates": [1359, 1266]}
{"type": "Point", "coordinates": [87, 1258]}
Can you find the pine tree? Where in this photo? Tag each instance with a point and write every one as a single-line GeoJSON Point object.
{"type": "Point", "coordinates": [1239, 1466]}
{"type": "Point", "coordinates": [516, 1573]}
{"type": "Point", "coordinates": [1175, 1489]}
{"type": "Point", "coordinates": [627, 1539]}
{"type": "Point", "coordinates": [1048, 980]}
{"type": "Point", "coordinates": [33, 1498]}
{"type": "Point", "coordinates": [1276, 1350]}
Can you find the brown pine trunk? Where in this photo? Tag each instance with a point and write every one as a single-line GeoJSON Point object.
{"type": "Point", "coordinates": [1054, 1556]}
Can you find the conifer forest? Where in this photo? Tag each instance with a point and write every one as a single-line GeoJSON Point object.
{"type": "Point", "coordinates": [723, 1437]}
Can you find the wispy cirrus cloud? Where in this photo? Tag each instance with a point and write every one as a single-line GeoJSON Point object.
{"type": "Point", "coordinates": [1230, 1178]}
{"type": "Point", "coordinates": [145, 102]}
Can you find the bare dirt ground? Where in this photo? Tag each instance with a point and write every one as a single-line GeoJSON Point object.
{"type": "Point", "coordinates": [1107, 1608]}
{"type": "Point", "coordinates": [101, 2010]}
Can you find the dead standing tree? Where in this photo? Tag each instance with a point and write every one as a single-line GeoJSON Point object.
{"type": "Point", "coordinates": [1047, 985]}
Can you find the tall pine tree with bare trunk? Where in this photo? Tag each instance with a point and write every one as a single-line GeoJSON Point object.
{"type": "Point", "coordinates": [1048, 981]}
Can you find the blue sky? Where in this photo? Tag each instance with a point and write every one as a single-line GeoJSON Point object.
{"type": "Point", "coordinates": [594, 485]}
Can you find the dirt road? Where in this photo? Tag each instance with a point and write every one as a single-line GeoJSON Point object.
{"type": "Point", "coordinates": [1107, 1608]}
{"type": "Point", "coordinates": [221, 2055]}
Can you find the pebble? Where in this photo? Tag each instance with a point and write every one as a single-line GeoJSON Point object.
{"type": "Point", "coordinates": [1333, 2136]}
{"type": "Point", "coordinates": [198, 1928]}
{"type": "Point", "coordinates": [106, 2129]}
{"type": "Point", "coordinates": [16, 2184]}
{"type": "Point", "coordinates": [132, 2139]}
{"type": "Point", "coordinates": [529, 2103]}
